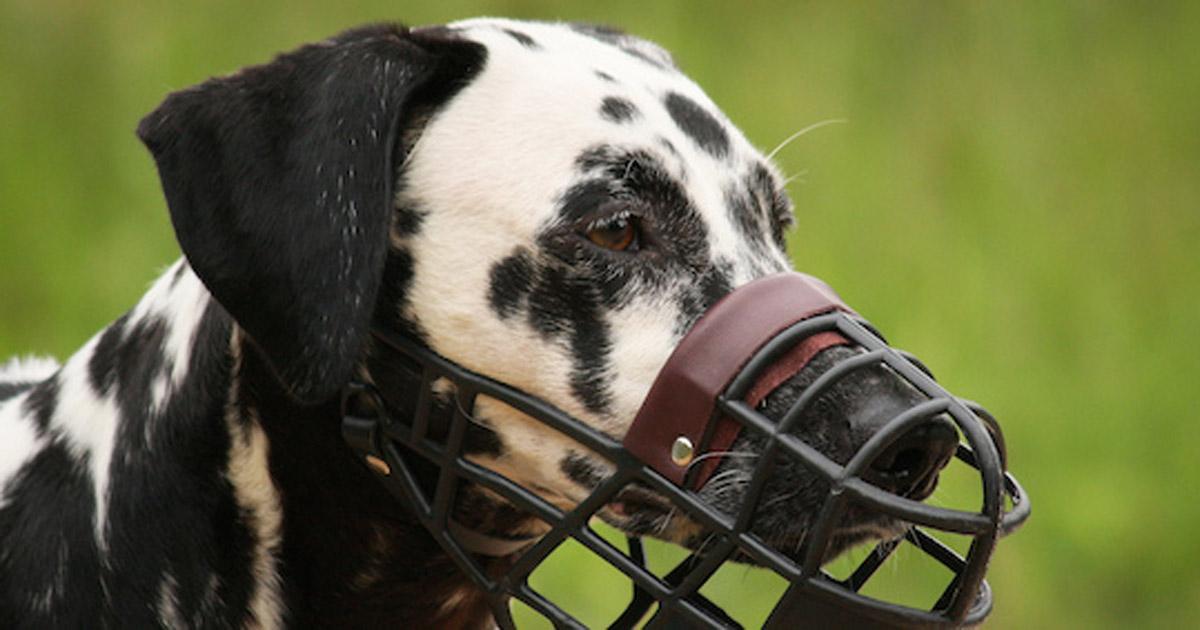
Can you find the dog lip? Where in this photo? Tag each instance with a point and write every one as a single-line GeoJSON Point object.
{"type": "Point", "coordinates": [636, 501]}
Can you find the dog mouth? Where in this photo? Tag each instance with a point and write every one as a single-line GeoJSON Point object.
{"type": "Point", "coordinates": [640, 511]}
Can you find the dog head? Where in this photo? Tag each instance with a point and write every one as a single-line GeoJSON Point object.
{"type": "Point", "coordinates": [553, 206]}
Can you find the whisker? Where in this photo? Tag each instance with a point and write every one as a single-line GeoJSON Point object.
{"type": "Point", "coordinates": [814, 126]}
{"type": "Point", "coordinates": [720, 454]}
{"type": "Point", "coordinates": [780, 499]}
{"type": "Point", "coordinates": [791, 178]}
{"type": "Point", "coordinates": [665, 522]}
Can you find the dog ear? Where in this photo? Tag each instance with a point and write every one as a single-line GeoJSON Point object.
{"type": "Point", "coordinates": [279, 179]}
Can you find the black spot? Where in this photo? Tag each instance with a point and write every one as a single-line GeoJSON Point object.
{"type": "Point", "coordinates": [565, 304]}
{"type": "Point", "coordinates": [772, 196]}
{"type": "Point", "coordinates": [129, 359]}
{"type": "Point", "coordinates": [625, 43]}
{"type": "Point", "coordinates": [42, 402]}
{"type": "Point", "coordinates": [481, 440]}
{"type": "Point", "coordinates": [597, 157]}
{"type": "Point", "coordinates": [523, 39]}
{"type": "Point", "coordinates": [582, 470]}
{"type": "Point", "coordinates": [407, 221]}
{"type": "Point", "coordinates": [584, 198]}
{"type": "Point", "coordinates": [644, 56]}
{"type": "Point", "coordinates": [511, 279]}
{"type": "Point", "coordinates": [604, 76]}
{"type": "Point", "coordinates": [618, 110]}
{"type": "Point", "coordinates": [102, 366]}
{"type": "Point", "coordinates": [603, 32]}
{"type": "Point", "coordinates": [716, 283]}
{"type": "Point", "coordinates": [178, 275]}
{"type": "Point", "coordinates": [668, 145]}
{"type": "Point", "coordinates": [747, 217]}
{"type": "Point", "coordinates": [698, 124]}
{"type": "Point", "coordinates": [11, 389]}
{"type": "Point", "coordinates": [393, 294]}
{"type": "Point", "coordinates": [140, 361]}
{"type": "Point", "coordinates": [711, 285]}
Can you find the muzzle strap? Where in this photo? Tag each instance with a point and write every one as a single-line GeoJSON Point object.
{"type": "Point", "coordinates": [681, 405]}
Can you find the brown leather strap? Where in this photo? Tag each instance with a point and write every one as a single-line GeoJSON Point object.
{"type": "Point", "coordinates": [682, 400]}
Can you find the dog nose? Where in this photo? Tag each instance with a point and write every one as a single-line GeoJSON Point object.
{"type": "Point", "coordinates": [909, 466]}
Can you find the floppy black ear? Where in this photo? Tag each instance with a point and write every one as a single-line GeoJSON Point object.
{"type": "Point", "coordinates": [279, 180]}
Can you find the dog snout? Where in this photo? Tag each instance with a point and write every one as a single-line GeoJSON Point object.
{"type": "Point", "coordinates": [909, 466]}
{"type": "Point", "coordinates": [860, 405]}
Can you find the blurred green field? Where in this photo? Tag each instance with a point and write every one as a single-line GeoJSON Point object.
{"type": "Point", "coordinates": [1015, 198]}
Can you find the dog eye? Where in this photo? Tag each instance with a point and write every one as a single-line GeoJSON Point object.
{"type": "Point", "coordinates": [619, 234]}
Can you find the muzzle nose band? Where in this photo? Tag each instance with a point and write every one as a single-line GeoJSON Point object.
{"type": "Point", "coordinates": [682, 399]}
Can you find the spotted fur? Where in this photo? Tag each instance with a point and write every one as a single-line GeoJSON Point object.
{"type": "Point", "coordinates": [184, 467]}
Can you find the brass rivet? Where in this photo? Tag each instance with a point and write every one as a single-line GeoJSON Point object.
{"type": "Point", "coordinates": [378, 465]}
{"type": "Point", "coordinates": [682, 451]}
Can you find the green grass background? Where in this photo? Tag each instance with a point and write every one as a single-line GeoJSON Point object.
{"type": "Point", "coordinates": [1015, 197]}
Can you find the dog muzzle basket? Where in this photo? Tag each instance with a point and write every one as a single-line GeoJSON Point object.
{"type": "Point", "coordinates": [705, 396]}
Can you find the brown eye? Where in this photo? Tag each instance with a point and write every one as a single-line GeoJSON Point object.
{"type": "Point", "coordinates": [619, 234]}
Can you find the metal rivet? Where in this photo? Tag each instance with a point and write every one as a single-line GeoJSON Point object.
{"type": "Point", "coordinates": [378, 465]}
{"type": "Point", "coordinates": [682, 451]}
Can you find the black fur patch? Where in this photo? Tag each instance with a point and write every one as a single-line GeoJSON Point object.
{"type": "Point", "coordinates": [179, 273]}
{"type": "Point", "coordinates": [748, 218]}
{"type": "Point", "coordinates": [511, 280]}
{"type": "Point", "coordinates": [102, 368]}
{"type": "Point", "coordinates": [177, 458]}
{"type": "Point", "coordinates": [778, 207]}
{"type": "Point", "coordinates": [42, 402]}
{"type": "Point", "coordinates": [573, 287]}
{"type": "Point", "coordinates": [523, 39]}
{"type": "Point", "coordinates": [562, 304]}
{"type": "Point", "coordinates": [711, 286]}
{"type": "Point", "coordinates": [12, 389]}
{"type": "Point", "coordinates": [140, 360]}
{"type": "Point", "coordinates": [406, 220]}
{"type": "Point", "coordinates": [50, 569]}
{"type": "Point", "coordinates": [393, 294]}
{"type": "Point", "coordinates": [582, 470]}
{"type": "Point", "coordinates": [604, 76]}
{"type": "Point", "coordinates": [620, 40]}
{"type": "Point", "coordinates": [583, 199]}
{"type": "Point", "coordinates": [130, 356]}
{"type": "Point", "coordinates": [668, 145]}
{"type": "Point", "coordinates": [618, 110]}
{"type": "Point", "coordinates": [699, 125]}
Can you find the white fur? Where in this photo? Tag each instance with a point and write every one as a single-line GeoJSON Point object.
{"type": "Point", "coordinates": [87, 424]}
{"type": "Point", "coordinates": [185, 307]}
{"type": "Point", "coordinates": [27, 369]}
{"type": "Point", "coordinates": [168, 602]}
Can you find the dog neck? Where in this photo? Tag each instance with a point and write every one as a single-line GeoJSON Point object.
{"type": "Point", "coordinates": [189, 477]}
{"type": "Point", "coordinates": [357, 556]}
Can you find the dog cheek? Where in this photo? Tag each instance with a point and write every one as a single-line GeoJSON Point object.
{"type": "Point", "coordinates": [644, 335]}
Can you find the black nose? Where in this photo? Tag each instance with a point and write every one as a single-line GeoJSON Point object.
{"type": "Point", "coordinates": [910, 466]}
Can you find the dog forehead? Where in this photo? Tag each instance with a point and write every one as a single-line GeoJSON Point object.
{"type": "Point", "coordinates": [548, 93]}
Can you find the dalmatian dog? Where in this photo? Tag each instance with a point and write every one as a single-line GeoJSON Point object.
{"type": "Point", "coordinates": [552, 205]}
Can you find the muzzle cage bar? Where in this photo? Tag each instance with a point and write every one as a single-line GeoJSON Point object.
{"type": "Point", "coordinates": [813, 596]}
